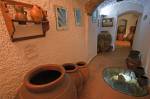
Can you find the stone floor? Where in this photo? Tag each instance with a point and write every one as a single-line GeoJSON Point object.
{"type": "Point", "coordinates": [96, 88]}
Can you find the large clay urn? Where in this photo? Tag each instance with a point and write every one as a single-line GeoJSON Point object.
{"type": "Point", "coordinates": [46, 82]}
{"type": "Point", "coordinates": [36, 14]}
{"type": "Point", "coordinates": [75, 74]}
{"type": "Point", "coordinates": [83, 68]}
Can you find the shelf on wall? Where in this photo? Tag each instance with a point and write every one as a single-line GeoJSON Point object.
{"type": "Point", "coordinates": [18, 27]}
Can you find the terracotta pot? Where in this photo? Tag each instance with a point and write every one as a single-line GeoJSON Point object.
{"type": "Point", "coordinates": [22, 17]}
{"type": "Point", "coordinates": [133, 63]}
{"type": "Point", "coordinates": [83, 68]}
{"type": "Point", "coordinates": [36, 14]}
{"type": "Point", "coordinates": [75, 74]}
{"type": "Point", "coordinates": [45, 82]}
{"type": "Point", "coordinates": [139, 71]}
{"type": "Point", "coordinates": [143, 81]}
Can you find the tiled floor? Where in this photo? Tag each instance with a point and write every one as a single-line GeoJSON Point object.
{"type": "Point", "coordinates": [96, 88]}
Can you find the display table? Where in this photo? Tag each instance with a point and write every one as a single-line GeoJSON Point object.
{"type": "Point", "coordinates": [124, 80]}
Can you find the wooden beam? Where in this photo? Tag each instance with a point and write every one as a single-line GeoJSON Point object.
{"type": "Point", "coordinates": [12, 2]}
{"type": "Point", "coordinates": [91, 5]}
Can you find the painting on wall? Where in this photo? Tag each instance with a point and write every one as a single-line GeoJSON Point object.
{"type": "Point", "coordinates": [107, 22]}
{"type": "Point", "coordinates": [61, 18]}
{"type": "Point", "coordinates": [77, 14]}
{"type": "Point", "coordinates": [95, 16]}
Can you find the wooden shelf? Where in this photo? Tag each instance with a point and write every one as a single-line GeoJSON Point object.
{"type": "Point", "coordinates": [11, 23]}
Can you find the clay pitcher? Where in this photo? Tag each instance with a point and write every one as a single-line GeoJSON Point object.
{"type": "Point", "coordinates": [36, 14]}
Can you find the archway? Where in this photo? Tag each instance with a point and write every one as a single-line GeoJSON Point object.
{"type": "Point", "coordinates": [127, 24]}
{"type": "Point", "coordinates": [115, 9]}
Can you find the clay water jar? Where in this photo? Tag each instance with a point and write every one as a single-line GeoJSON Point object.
{"type": "Point", "coordinates": [134, 53]}
{"type": "Point", "coordinates": [45, 82]}
{"type": "Point", "coordinates": [36, 14]}
{"type": "Point", "coordinates": [75, 74]}
{"type": "Point", "coordinates": [139, 71]}
{"type": "Point", "coordinates": [83, 68]}
{"type": "Point", "coordinates": [133, 63]}
{"type": "Point", "coordinates": [143, 81]}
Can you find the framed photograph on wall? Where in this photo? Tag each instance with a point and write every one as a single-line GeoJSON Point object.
{"type": "Point", "coordinates": [107, 22]}
{"type": "Point", "coordinates": [78, 17]}
{"type": "Point", "coordinates": [61, 17]}
{"type": "Point", "coordinates": [95, 16]}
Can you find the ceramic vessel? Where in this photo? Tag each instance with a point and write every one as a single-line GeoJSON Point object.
{"type": "Point", "coordinates": [20, 14]}
{"type": "Point", "coordinates": [45, 82]}
{"type": "Point", "coordinates": [36, 14]}
{"type": "Point", "coordinates": [133, 63]}
{"type": "Point", "coordinates": [75, 74]}
{"type": "Point", "coordinates": [143, 81]}
{"type": "Point", "coordinates": [139, 71]}
{"type": "Point", "coordinates": [83, 68]}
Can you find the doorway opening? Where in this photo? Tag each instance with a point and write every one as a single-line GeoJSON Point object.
{"type": "Point", "coordinates": [126, 28]}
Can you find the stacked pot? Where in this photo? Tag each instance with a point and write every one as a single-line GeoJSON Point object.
{"type": "Point", "coordinates": [133, 60]}
{"type": "Point", "coordinates": [134, 63]}
{"type": "Point", "coordinates": [79, 73]}
{"type": "Point", "coordinates": [53, 81]}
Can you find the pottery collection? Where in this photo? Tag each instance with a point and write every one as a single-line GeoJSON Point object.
{"type": "Point", "coordinates": [45, 82]}
{"type": "Point", "coordinates": [54, 81]}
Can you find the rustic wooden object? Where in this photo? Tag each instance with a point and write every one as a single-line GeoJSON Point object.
{"type": "Point", "coordinates": [91, 5]}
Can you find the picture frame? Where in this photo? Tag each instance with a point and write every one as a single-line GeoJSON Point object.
{"type": "Point", "coordinates": [95, 16]}
{"type": "Point", "coordinates": [107, 22]}
{"type": "Point", "coordinates": [61, 17]}
{"type": "Point", "coordinates": [78, 16]}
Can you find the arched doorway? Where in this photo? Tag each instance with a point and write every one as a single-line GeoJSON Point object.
{"type": "Point", "coordinates": [126, 28]}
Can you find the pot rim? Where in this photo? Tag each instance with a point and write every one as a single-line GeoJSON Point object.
{"type": "Point", "coordinates": [47, 86]}
{"type": "Point", "coordinates": [71, 64]}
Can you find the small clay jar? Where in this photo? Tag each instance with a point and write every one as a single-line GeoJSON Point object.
{"type": "Point", "coordinates": [133, 63]}
{"type": "Point", "coordinates": [83, 68]}
{"type": "Point", "coordinates": [143, 81]}
{"type": "Point", "coordinates": [134, 53]}
{"type": "Point", "coordinates": [45, 82]}
{"type": "Point", "coordinates": [75, 74]}
{"type": "Point", "coordinates": [139, 71]}
{"type": "Point", "coordinates": [36, 14]}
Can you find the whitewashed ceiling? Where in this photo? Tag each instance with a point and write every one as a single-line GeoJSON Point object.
{"type": "Point", "coordinates": [110, 2]}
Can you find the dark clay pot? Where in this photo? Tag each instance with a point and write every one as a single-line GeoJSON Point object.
{"type": "Point", "coordinates": [134, 52]}
{"type": "Point", "coordinates": [143, 81]}
{"type": "Point", "coordinates": [139, 71]}
{"type": "Point", "coordinates": [45, 82]}
{"type": "Point", "coordinates": [75, 74]}
{"type": "Point", "coordinates": [83, 68]}
{"type": "Point", "coordinates": [133, 63]}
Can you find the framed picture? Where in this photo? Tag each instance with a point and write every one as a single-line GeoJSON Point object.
{"type": "Point", "coordinates": [78, 17]}
{"type": "Point", "coordinates": [61, 18]}
{"type": "Point", "coordinates": [107, 22]}
{"type": "Point", "coordinates": [95, 16]}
